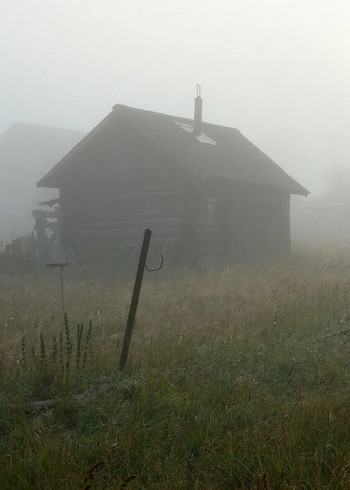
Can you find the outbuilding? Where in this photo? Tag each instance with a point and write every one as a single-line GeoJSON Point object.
{"type": "Point", "coordinates": [27, 151]}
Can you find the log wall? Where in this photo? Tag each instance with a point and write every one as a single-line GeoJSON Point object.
{"type": "Point", "coordinates": [252, 220]}
{"type": "Point", "coordinates": [108, 215]}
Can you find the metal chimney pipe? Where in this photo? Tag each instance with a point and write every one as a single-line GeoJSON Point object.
{"type": "Point", "coordinates": [198, 103]}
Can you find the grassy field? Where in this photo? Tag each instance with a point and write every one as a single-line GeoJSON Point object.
{"type": "Point", "coordinates": [237, 378]}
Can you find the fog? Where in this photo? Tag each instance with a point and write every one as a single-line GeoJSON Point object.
{"type": "Point", "coordinates": [186, 347]}
{"type": "Point", "coordinates": [27, 152]}
{"type": "Point", "coordinates": [275, 69]}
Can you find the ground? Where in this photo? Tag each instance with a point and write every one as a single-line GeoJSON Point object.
{"type": "Point", "coordinates": [238, 377]}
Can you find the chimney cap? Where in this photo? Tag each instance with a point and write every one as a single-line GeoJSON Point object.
{"type": "Point", "coordinates": [199, 90]}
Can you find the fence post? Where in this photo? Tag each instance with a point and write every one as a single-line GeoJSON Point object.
{"type": "Point", "coordinates": [135, 299]}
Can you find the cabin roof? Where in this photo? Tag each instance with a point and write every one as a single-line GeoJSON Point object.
{"type": "Point", "coordinates": [219, 152]}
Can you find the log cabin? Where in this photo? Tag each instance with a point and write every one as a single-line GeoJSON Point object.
{"type": "Point", "coordinates": [204, 189]}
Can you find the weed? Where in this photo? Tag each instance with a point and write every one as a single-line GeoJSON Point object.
{"type": "Point", "coordinates": [237, 378]}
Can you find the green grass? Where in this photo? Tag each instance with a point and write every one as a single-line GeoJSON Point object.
{"type": "Point", "coordinates": [237, 378]}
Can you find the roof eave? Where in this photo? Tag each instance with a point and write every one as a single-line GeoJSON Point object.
{"type": "Point", "coordinates": [301, 191]}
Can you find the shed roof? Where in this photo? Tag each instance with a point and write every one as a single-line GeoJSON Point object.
{"type": "Point", "coordinates": [219, 152]}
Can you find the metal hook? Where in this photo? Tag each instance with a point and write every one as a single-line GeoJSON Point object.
{"type": "Point", "coordinates": [158, 269]}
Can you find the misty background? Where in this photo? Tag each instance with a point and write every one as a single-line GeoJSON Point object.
{"type": "Point", "coordinates": [278, 70]}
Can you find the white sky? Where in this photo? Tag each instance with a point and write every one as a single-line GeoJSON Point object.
{"type": "Point", "coordinates": [278, 70]}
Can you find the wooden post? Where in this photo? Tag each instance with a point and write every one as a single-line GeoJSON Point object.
{"type": "Point", "coordinates": [61, 266]}
{"type": "Point", "coordinates": [62, 288]}
{"type": "Point", "coordinates": [135, 298]}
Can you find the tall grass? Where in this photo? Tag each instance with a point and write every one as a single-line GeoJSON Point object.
{"type": "Point", "coordinates": [237, 378]}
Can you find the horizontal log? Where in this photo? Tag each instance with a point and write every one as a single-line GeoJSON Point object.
{"type": "Point", "coordinates": [155, 224]}
{"type": "Point", "coordinates": [123, 187]}
{"type": "Point", "coordinates": [101, 194]}
{"type": "Point", "coordinates": [135, 201]}
{"type": "Point", "coordinates": [106, 214]}
{"type": "Point", "coordinates": [127, 232]}
{"type": "Point", "coordinates": [125, 206]}
{"type": "Point", "coordinates": [133, 235]}
{"type": "Point", "coordinates": [123, 243]}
